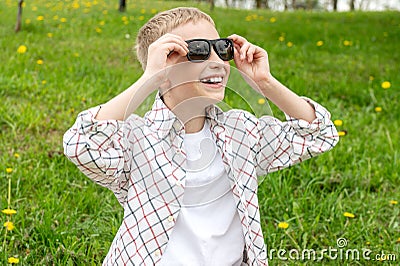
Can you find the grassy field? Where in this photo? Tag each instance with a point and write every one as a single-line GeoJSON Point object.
{"type": "Point", "coordinates": [80, 54]}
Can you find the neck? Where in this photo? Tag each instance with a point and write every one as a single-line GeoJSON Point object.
{"type": "Point", "coordinates": [190, 112]}
{"type": "Point", "coordinates": [194, 125]}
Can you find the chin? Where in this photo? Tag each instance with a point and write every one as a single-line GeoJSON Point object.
{"type": "Point", "coordinates": [215, 96]}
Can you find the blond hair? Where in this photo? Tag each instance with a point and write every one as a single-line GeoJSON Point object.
{"type": "Point", "coordinates": [163, 23]}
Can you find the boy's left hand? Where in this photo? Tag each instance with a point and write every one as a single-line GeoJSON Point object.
{"type": "Point", "coordinates": [250, 59]}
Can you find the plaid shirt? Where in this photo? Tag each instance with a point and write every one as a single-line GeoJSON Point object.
{"type": "Point", "coordinates": [141, 160]}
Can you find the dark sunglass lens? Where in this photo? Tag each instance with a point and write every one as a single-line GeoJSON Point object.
{"type": "Point", "coordinates": [224, 49]}
{"type": "Point", "coordinates": [198, 50]}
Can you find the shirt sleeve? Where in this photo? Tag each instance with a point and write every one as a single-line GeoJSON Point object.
{"type": "Point", "coordinates": [100, 150]}
{"type": "Point", "coordinates": [282, 144]}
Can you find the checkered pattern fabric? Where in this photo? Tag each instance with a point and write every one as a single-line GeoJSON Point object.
{"type": "Point", "coordinates": [142, 161]}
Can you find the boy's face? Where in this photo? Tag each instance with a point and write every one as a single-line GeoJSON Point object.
{"type": "Point", "coordinates": [202, 82]}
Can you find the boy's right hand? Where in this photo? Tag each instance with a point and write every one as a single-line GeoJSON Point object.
{"type": "Point", "coordinates": [158, 58]}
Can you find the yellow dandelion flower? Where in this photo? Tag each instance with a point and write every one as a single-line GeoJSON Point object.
{"type": "Point", "coordinates": [142, 11]}
{"type": "Point", "coordinates": [320, 43]}
{"type": "Point", "coordinates": [9, 170]}
{"type": "Point", "coordinates": [44, 82]}
{"type": "Point", "coordinates": [393, 202]}
{"type": "Point", "coordinates": [105, 12]}
{"type": "Point", "coordinates": [338, 122]}
{"type": "Point", "coordinates": [289, 44]}
{"type": "Point", "coordinates": [9, 211]}
{"type": "Point", "coordinates": [86, 10]}
{"type": "Point", "coordinates": [281, 39]}
{"type": "Point", "coordinates": [16, 155]}
{"type": "Point", "coordinates": [34, 8]}
{"type": "Point", "coordinates": [63, 20]}
{"type": "Point", "coordinates": [22, 49]}
{"type": "Point", "coordinates": [386, 85]}
{"type": "Point", "coordinates": [347, 43]}
{"type": "Point", "coordinates": [27, 21]}
{"type": "Point", "coordinates": [248, 18]}
{"type": "Point", "coordinates": [153, 11]}
{"type": "Point", "coordinates": [378, 109]}
{"type": "Point", "coordinates": [98, 30]}
{"type": "Point", "coordinates": [40, 18]}
{"type": "Point", "coordinates": [342, 133]}
{"type": "Point", "coordinates": [50, 35]}
{"type": "Point", "coordinates": [75, 5]}
{"type": "Point", "coordinates": [55, 17]}
{"type": "Point", "coordinates": [102, 23]}
{"type": "Point", "coordinates": [283, 225]}
{"type": "Point", "coordinates": [272, 20]}
{"type": "Point", "coordinates": [13, 260]}
{"type": "Point", "coordinates": [348, 215]}
{"type": "Point", "coordinates": [368, 243]}
{"type": "Point", "coordinates": [141, 18]}
{"type": "Point", "coordinates": [39, 62]}
{"type": "Point", "coordinates": [88, 4]}
{"type": "Point", "coordinates": [76, 54]}
{"type": "Point", "coordinates": [124, 18]}
{"type": "Point", "coordinates": [126, 22]}
{"type": "Point", "coordinates": [261, 101]}
{"type": "Point", "coordinates": [371, 78]}
{"type": "Point", "coordinates": [398, 240]}
{"type": "Point", "coordinates": [9, 226]}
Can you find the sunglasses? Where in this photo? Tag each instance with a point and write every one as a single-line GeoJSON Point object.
{"type": "Point", "coordinates": [200, 49]}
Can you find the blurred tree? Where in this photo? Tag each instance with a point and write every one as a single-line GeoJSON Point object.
{"type": "Point", "coordinates": [122, 5]}
{"type": "Point", "coordinates": [352, 5]}
{"type": "Point", "coordinates": [262, 4]}
{"type": "Point", "coordinates": [334, 3]}
{"type": "Point", "coordinates": [285, 5]}
{"type": "Point", "coordinates": [212, 4]}
{"type": "Point", "coordinates": [19, 16]}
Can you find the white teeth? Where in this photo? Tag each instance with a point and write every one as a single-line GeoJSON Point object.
{"type": "Point", "coordinates": [212, 80]}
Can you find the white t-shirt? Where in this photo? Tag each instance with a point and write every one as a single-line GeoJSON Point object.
{"type": "Point", "coordinates": [208, 229]}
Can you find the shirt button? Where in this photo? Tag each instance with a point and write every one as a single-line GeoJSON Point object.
{"type": "Point", "coordinates": [157, 253]}
{"type": "Point", "coordinates": [170, 218]}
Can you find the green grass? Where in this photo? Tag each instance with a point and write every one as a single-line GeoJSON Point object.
{"type": "Point", "coordinates": [65, 219]}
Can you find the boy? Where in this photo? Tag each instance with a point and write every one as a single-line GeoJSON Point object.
{"type": "Point", "coordinates": [186, 173]}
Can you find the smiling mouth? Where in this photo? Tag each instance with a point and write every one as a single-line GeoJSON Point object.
{"type": "Point", "coordinates": [212, 80]}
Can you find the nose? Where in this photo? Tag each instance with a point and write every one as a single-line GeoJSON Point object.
{"type": "Point", "coordinates": [214, 62]}
{"type": "Point", "coordinates": [219, 66]}
{"type": "Point", "coordinates": [214, 57]}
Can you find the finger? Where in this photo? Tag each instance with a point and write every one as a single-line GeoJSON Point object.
{"type": "Point", "coordinates": [236, 54]}
{"type": "Point", "coordinates": [171, 38]}
{"type": "Point", "coordinates": [170, 48]}
{"type": "Point", "coordinates": [250, 53]}
{"type": "Point", "coordinates": [243, 50]}
{"type": "Point", "coordinates": [237, 39]}
{"type": "Point", "coordinates": [259, 53]}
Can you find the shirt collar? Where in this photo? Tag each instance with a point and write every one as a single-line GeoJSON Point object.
{"type": "Point", "coordinates": [161, 119]}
